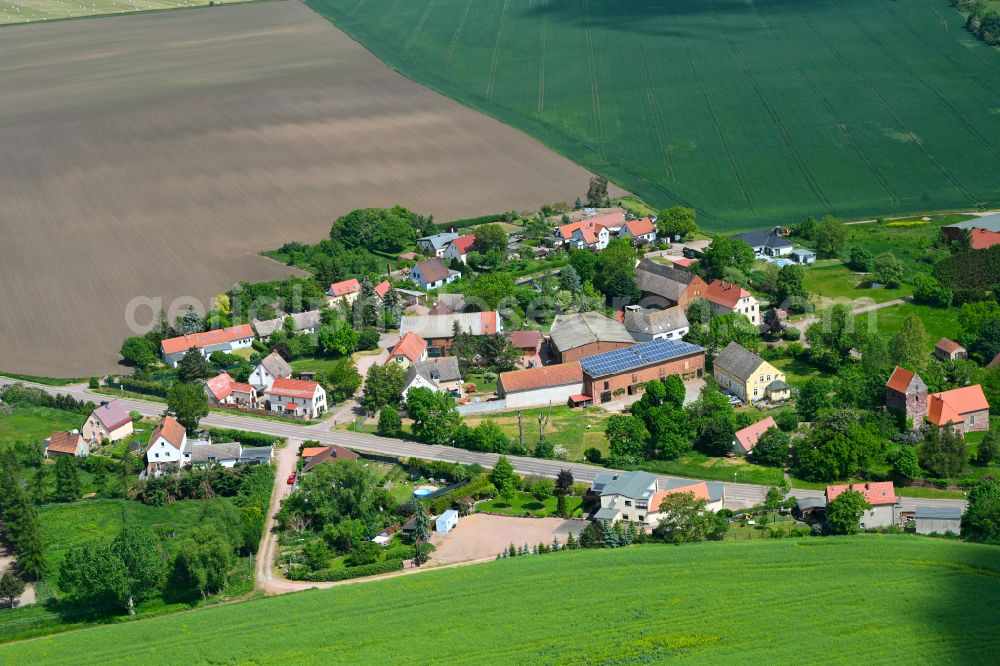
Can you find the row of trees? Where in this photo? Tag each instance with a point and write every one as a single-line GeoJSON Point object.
{"type": "Point", "coordinates": [21, 528]}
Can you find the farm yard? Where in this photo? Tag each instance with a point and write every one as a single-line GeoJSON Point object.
{"type": "Point", "coordinates": [752, 113]}
{"type": "Point", "coordinates": [28, 11]}
{"type": "Point", "coordinates": [689, 601]}
{"type": "Point", "coordinates": [153, 156]}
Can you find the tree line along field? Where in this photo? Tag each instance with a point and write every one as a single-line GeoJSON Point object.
{"type": "Point", "coordinates": [751, 112]}
{"type": "Point", "coordinates": [28, 11]}
{"type": "Point", "coordinates": [884, 599]}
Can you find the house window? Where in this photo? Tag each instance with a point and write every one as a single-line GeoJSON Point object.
{"type": "Point", "coordinates": [607, 385]}
{"type": "Point", "coordinates": [625, 516]}
{"type": "Point", "coordinates": [628, 502]}
{"type": "Point", "coordinates": [641, 518]}
{"type": "Point", "coordinates": [662, 371]}
{"type": "Point", "coordinates": [634, 377]}
{"type": "Point", "coordinates": [755, 393]}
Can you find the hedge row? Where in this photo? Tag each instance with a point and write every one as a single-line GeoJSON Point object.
{"type": "Point", "coordinates": [387, 566]}
{"type": "Point", "coordinates": [243, 437]}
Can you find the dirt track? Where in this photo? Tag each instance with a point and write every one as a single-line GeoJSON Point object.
{"type": "Point", "coordinates": [156, 155]}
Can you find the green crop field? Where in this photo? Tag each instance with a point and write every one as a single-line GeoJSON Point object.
{"type": "Point", "coordinates": [751, 112]}
{"type": "Point", "coordinates": [872, 599]}
{"type": "Point", "coordinates": [29, 11]}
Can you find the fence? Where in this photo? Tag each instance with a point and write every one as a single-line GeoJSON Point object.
{"type": "Point", "coordinates": [260, 412]}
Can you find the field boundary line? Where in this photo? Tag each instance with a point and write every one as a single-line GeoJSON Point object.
{"type": "Point", "coordinates": [541, 66]}
{"type": "Point", "coordinates": [944, 102]}
{"type": "Point", "coordinates": [841, 125]}
{"type": "Point", "coordinates": [889, 110]}
{"type": "Point", "coordinates": [496, 52]}
{"type": "Point", "coordinates": [715, 118]}
{"type": "Point", "coordinates": [454, 37]}
{"type": "Point", "coordinates": [419, 26]}
{"type": "Point", "coordinates": [789, 144]}
{"type": "Point", "coordinates": [594, 94]}
{"type": "Point", "coordinates": [654, 107]}
{"type": "Point", "coordinates": [355, 7]}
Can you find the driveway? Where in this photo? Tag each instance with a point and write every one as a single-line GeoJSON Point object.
{"type": "Point", "coordinates": [6, 562]}
{"type": "Point", "coordinates": [482, 536]}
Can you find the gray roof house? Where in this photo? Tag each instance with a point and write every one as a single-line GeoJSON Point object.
{"type": "Point", "coordinates": [305, 322]}
{"type": "Point", "coordinates": [634, 485]}
{"type": "Point", "coordinates": [738, 361]}
{"type": "Point", "coordinates": [666, 284]}
{"type": "Point", "coordinates": [260, 455]}
{"type": "Point", "coordinates": [987, 222]}
{"type": "Point", "coordinates": [766, 242]}
{"type": "Point", "coordinates": [646, 325]}
{"type": "Point", "coordinates": [438, 374]}
{"type": "Point", "coordinates": [583, 330]}
{"type": "Point", "coordinates": [437, 243]}
{"type": "Point", "coordinates": [226, 454]}
{"type": "Point", "coordinates": [938, 519]}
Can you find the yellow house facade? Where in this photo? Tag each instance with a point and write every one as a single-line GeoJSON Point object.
{"type": "Point", "coordinates": [747, 376]}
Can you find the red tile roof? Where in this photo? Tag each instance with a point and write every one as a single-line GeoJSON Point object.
{"type": "Point", "coordinates": [328, 452]}
{"type": "Point", "coordinates": [682, 262]}
{"type": "Point", "coordinates": [640, 227]}
{"type": "Point", "coordinates": [948, 346]}
{"type": "Point", "coordinates": [382, 288]}
{"type": "Point", "coordinates": [171, 430]}
{"type": "Point", "coordinates": [220, 386]}
{"type": "Point", "coordinates": [411, 345]}
{"type": "Point", "coordinates": [489, 320]}
{"type": "Point", "coordinates": [344, 287]}
{"type": "Point", "coordinates": [526, 339]}
{"type": "Point", "coordinates": [199, 340]}
{"type": "Point", "coordinates": [748, 437]}
{"type": "Point", "coordinates": [293, 388]}
{"type": "Point", "coordinates": [876, 493]}
{"type": "Point", "coordinates": [995, 363]}
{"type": "Point", "coordinates": [592, 226]}
{"type": "Point", "coordinates": [983, 239]}
{"type": "Point", "coordinates": [725, 293]}
{"type": "Point", "coordinates": [535, 378]}
{"type": "Point", "coordinates": [900, 379]}
{"type": "Point", "coordinates": [949, 406]}
{"type": "Point", "coordinates": [699, 490]}
{"type": "Point", "coordinates": [464, 243]}
{"type": "Point", "coordinates": [64, 442]}
{"type": "Point", "coordinates": [311, 451]}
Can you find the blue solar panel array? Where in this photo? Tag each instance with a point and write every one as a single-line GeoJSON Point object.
{"type": "Point", "coordinates": [636, 356]}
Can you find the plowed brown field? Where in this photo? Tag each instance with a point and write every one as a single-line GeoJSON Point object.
{"type": "Point", "coordinates": [153, 156]}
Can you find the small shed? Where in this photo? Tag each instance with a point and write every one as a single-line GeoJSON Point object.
{"type": "Point", "coordinates": [938, 520]}
{"type": "Point", "coordinates": [803, 256]}
{"type": "Point", "coordinates": [446, 521]}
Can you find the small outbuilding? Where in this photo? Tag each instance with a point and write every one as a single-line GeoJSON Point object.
{"type": "Point", "coordinates": [446, 521]}
{"type": "Point", "coordinates": [938, 520]}
{"type": "Point", "coordinates": [801, 256]}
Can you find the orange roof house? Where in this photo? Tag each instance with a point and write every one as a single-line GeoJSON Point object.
{"type": "Point", "coordinates": [949, 350]}
{"type": "Point", "coordinates": [382, 288]}
{"type": "Point", "coordinates": [643, 228]}
{"type": "Point", "coordinates": [901, 380]}
{"type": "Point", "coordinates": [411, 348]}
{"type": "Point", "coordinates": [348, 289]}
{"type": "Point", "coordinates": [699, 490]}
{"type": "Point", "coordinates": [726, 294]}
{"type": "Point", "coordinates": [966, 408]}
{"type": "Point", "coordinates": [173, 348]}
{"type": "Point", "coordinates": [876, 492]}
{"type": "Point", "coordinates": [983, 239]}
{"type": "Point", "coordinates": [748, 437]}
{"type": "Point", "coordinates": [64, 443]}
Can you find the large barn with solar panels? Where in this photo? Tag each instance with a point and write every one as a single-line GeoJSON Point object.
{"type": "Point", "coordinates": [623, 372]}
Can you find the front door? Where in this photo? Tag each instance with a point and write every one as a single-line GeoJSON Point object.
{"type": "Point", "coordinates": [606, 396]}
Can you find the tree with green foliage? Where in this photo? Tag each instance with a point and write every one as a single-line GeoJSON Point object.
{"type": "Point", "coordinates": [840, 443]}
{"type": "Point", "coordinates": [686, 518]}
{"type": "Point", "coordinates": [389, 423]}
{"type": "Point", "coordinates": [677, 221]}
{"type": "Point", "coordinates": [189, 403]}
{"type": "Point", "coordinates": [832, 339]}
{"type": "Point", "coordinates": [379, 229]}
{"type": "Point", "coordinates": [774, 499]}
{"type": "Point", "coordinates": [861, 260]}
{"type": "Point", "coordinates": [714, 421]}
{"type": "Point", "coordinates": [68, 487]}
{"type": "Point", "coordinates": [772, 448]}
{"type": "Point", "coordinates": [202, 562]}
{"type": "Point", "coordinates": [29, 546]}
{"type": "Point", "coordinates": [490, 237]}
{"type": "Point", "coordinates": [908, 347]}
{"type": "Point", "coordinates": [615, 276]}
{"type": "Point", "coordinates": [91, 574]}
{"type": "Point", "coordinates": [383, 386]}
{"type": "Point", "coordinates": [11, 588]}
{"type": "Point", "coordinates": [943, 452]}
{"type": "Point", "coordinates": [813, 398]}
{"type": "Point", "coordinates": [597, 191]}
{"type": "Point", "coordinates": [140, 352]}
{"type": "Point", "coordinates": [502, 475]}
{"type": "Point", "coordinates": [498, 353]}
{"type": "Point", "coordinates": [906, 464]}
{"type": "Point", "coordinates": [340, 379]}
{"type": "Point", "coordinates": [421, 532]}
{"type": "Point", "coordinates": [491, 288]}
{"type": "Point", "coordinates": [584, 262]}
{"type": "Point", "coordinates": [144, 567]}
{"type": "Point", "coordinates": [829, 237]}
{"type": "Point", "coordinates": [40, 483]}
{"type": "Point", "coordinates": [989, 447]}
{"type": "Point", "coordinates": [987, 343]}
{"type": "Point", "coordinates": [888, 270]}
{"type": "Point", "coordinates": [981, 521]}
{"type": "Point", "coordinates": [843, 513]}
{"type": "Point", "coordinates": [626, 436]}
{"type": "Point", "coordinates": [926, 289]}
{"type": "Point", "coordinates": [569, 279]}
{"type": "Point", "coordinates": [193, 366]}
{"type": "Point", "coordinates": [725, 253]}
{"type": "Point", "coordinates": [542, 490]}
{"type": "Point", "coordinates": [790, 289]}
{"type": "Point", "coordinates": [434, 413]}
{"type": "Point", "coordinates": [974, 316]}
{"type": "Point", "coordinates": [338, 338]}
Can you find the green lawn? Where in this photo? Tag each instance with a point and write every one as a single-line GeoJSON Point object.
{"type": "Point", "coordinates": [524, 503]}
{"type": "Point", "coordinates": [797, 372]}
{"type": "Point", "coordinates": [831, 280]}
{"type": "Point", "coordinates": [575, 429]}
{"type": "Point", "coordinates": [694, 465]}
{"type": "Point", "coordinates": [928, 601]}
{"type": "Point", "coordinates": [939, 322]}
{"type": "Point", "coordinates": [911, 239]}
{"type": "Point", "coordinates": [755, 113]}
{"type": "Point", "coordinates": [34, 424]}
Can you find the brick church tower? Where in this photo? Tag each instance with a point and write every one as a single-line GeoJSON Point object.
{"type": "Point", "coordinates": [906, 392]}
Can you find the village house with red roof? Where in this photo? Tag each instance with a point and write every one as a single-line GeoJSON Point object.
{"type": "Point", "coordinates": [747, 438]}
{"type": "Point", "coordinates": [296, 397]}
{"type": "Point", "coordinates": [108, 423]}
{"type": "Point", "coordinates": [224, 339]}
{"type": "Point", "coordinates": [949, 350]}
{"type": "Point", "coordinates": [725, 297]}
{"type": "Point", "coordinates": [64, 443]}
{"type": "Point", "coordinates": [224, 390]}
{"type": "Point", "coordinates": [965, 409]}
{"type": "Point", "coordinates": [411, 348]}
{"type": "Point", "coordinates": [881, 497]}
{"type": "Point", "coordinates": [345, 290]}
{"type": "Point", "coordinates": [166, 447]}
{"type": "Point", "coordinates": [459, 248]}
{"type": "Point", "coordinates": [640, 231]}
{"type": "Point", "coordinates": [551, 384]}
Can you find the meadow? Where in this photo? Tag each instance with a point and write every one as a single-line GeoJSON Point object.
{"type": "Point", "coordinates": [751, 112]}
{"type": "Point", "coordinates": [28, 11]}
{"type": "Point", "coordinates": [153, 156]}
{"type": "Point", "coordinates": [877, 599]}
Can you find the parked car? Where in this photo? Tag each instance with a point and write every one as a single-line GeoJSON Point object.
{"type": "Point", "coordinates": [291, 479]}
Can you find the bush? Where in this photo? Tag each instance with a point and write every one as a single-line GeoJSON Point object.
{"type": "Point", "coordinates": [389, 423]}
{"type": "Point", "coordinates": [303, 573]}
{"type": "Point", "coordinates": [368, 339]}
{"type": "Point", "coordinates": [795, 349]}
{"type": "Point", "coordinates": [791, 333]}
{"type": "Point", "coordinates": [787, 420]}
{"type": "Point", "coordinates": [592, 455]}
{"type": "Point", "coordinates": [243, 437]}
